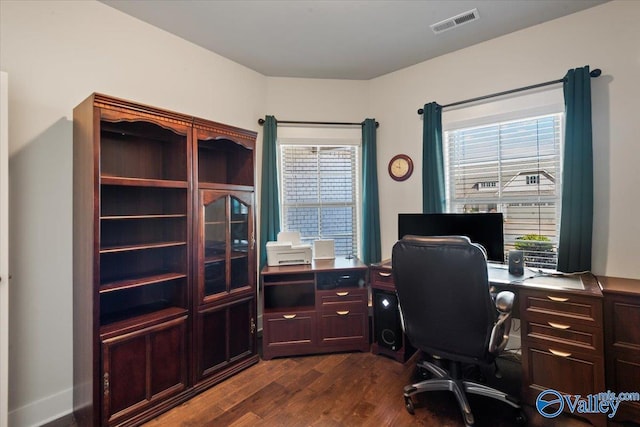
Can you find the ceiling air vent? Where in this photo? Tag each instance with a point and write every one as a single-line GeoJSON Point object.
{"type": "Point", "coordinates": [455, 21]}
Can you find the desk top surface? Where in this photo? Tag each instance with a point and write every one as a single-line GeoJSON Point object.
{"type": "Point", "coordinates": [535, 279]}
{"type": "Point", "coordinates": [544, 279]}
{"type": "Point", "coordinates": [619, 285]}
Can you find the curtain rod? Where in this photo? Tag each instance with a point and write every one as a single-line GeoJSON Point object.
{"type": "Point", "coordinates": [593, 73]}
{"type": "Point", "coordinates": [294, 122]}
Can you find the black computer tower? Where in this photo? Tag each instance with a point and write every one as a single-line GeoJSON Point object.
{"type": "Point", "coordinates": [386, 320]}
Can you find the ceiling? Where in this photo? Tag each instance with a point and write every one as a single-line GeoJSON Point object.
{"type": "Point", "coordinates": [339, 39]}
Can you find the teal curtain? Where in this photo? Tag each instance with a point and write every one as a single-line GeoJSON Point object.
{"type": "Point", "coordinates": [371, 251]}
{"type": "Point", "coordinates": [269, 199]}
{"type": "Point", "coordinates": [576, 223]}
{"type": "Point", "coordinates": [433, 197]}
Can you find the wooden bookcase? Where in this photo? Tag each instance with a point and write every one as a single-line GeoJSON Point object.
{"type": "Point", "coordinates": [147, 333]}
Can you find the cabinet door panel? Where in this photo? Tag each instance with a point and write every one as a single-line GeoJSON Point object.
{"type": "Point", "coordinates": [240, 242]}
{"type": "Point", "coordinates": [624, 315]}
{"type": "Point", "coordinates": [241, 239]}
{"type": "Point", "coordinates": [214, 244]}
{"type": "Point", "coordinates": [142, 367]}
{"type": "Point", "coordinates": [225, 335]}
{"type": "Point", "coordinates": [226, 248]}
{"type": "Point", "coordinates": [213, 337]}
{"type": "Point", "coordinates": [168, 360]}
{"type": "Point", "coordinates": [243, 323]}
{"type": "Point", "coordinates": [124, 380]}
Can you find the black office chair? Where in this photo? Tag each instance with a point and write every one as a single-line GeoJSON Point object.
{"type": "Point", "coordinates": [449, 313]}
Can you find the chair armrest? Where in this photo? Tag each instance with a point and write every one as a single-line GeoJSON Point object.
{"type": "Point", "coordinates": [504, 301]}
{"type": "Point", "coordinates": [502, 327]}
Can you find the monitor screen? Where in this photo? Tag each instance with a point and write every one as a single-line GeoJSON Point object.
{"type": "Point", "coordinates": [483, 228]}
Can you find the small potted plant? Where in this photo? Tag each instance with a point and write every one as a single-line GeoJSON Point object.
{"type": "Point", "coordinates": [538, 250]}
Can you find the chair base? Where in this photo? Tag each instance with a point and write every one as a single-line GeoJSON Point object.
{"type": "Point", "coordinates": [444, 381]}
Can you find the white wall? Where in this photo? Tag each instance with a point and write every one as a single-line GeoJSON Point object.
{"type": "Point", "coordinates": [317, 99]}
{"type": "Point", "coordinates": [4, 249]}
{"type": "Point", "coordinates": [57, 54]}
{"type": "Point", "coordinates": [605, 37]}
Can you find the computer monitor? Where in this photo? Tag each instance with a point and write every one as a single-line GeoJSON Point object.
{"type": "Point", "coordinates": [483, 228]}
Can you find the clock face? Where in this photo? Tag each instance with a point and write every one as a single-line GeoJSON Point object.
{"type": "Point", "coordinates": [400, 167]}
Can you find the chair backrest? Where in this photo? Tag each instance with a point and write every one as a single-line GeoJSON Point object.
{"type": "Point", "coordinates": [443, 291]}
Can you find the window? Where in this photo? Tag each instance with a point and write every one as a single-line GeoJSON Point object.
{"type": "Point", "coordinates": [320, 196]}
{"type": "Point", "coordinates": [532, 179]}
{"type": "Point", "coordinates": [512, 167]}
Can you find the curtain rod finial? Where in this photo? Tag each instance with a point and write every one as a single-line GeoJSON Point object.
{"type": "Point", "coordinates": [596, 73]}
{"type": "Point", "coordinates": [260, 122]}
{"type": "Point", "coordinates": [420, 111]}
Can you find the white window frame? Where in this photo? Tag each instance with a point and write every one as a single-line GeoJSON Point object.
{"type": "Point", "coordinates": [324, 136]}
{"type": "Point", "coordinates": [515, 107]}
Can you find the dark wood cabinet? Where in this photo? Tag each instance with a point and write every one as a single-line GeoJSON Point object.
{"type": "Point", "coordinates": [142, 368]}
{"type": "Point", "coordinates": [151, 261]}
{"type": "Point", "coordinates": [563, 342]}
{"type": "Point", "coordinates": [622, 341]}
{"type": "Point", "coordinates": [225, 337]}
{"type": "Point", "coordinates": [317, 308]}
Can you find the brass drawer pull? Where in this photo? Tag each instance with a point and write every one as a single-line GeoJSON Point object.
{"type": "Point", "coordinates": [383, 274]}
{"type": "Point", "coordinates": [559, 353]}
{"type": "Point", "coordinates": [342, 294]}
{"type": "Point", "coordinates": [557, 299]}
{"type": "Point", "coordinates": [288, 316]}
{"type": "Point", "coordinates": [342, 313]}
{"type": "Point", "coordinates": [558, 325]}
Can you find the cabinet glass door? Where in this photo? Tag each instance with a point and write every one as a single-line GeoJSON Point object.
{"type": "Point", "coordinates": [215, 246]}
{"type": "Point", "coordinates": [226, 243]}
{"type": "Point", "coordinates": [239, 243]}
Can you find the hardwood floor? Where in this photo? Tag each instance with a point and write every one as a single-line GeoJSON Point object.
{"type": "Point", "coordinates": [351, 389]}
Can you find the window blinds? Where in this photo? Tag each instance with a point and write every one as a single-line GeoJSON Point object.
{"type": "Point", "coordinates": [511, 167]}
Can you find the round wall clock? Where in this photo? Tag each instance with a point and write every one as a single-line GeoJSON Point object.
{"type": "Point", "coordinates": [400, 167]}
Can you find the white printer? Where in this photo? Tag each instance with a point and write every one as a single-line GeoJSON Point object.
{"type": "Point", "coordinates": [288, 250]}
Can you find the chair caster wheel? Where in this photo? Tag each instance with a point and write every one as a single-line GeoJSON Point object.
{"type": "Point", "coordinates": [468, 419]}
{"type": "Point", "coordinates": [408, 403]}
{"type": "Point", "coordinates": [423, 373]}
{"type": "Point", "coordinates": [521, 418]}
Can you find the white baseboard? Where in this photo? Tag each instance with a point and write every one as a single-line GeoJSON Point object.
{"type": "Point", "coordinates": [43, 411]}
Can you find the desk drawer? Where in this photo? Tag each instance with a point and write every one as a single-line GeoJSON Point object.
{"type": "Point", "coordinates": [559, 368]}
{"type": "Point", "coordinates": [295, 328]}
{"type": "Point", "coordinates": [551, 330]}
{"type": "Point", "coordinates": [343, 325]}
{"type": "Point", "coordinates": [563, 307]}
{"type": "Point", "coordinates": [345, 330]}
{"type": "Point", "coordinates": [329, 299]}
{"type": "Point", "coordinates": [382, 278]}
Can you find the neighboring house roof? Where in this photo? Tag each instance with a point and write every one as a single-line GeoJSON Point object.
{"type": "Point", "coordinates": [547, 182]}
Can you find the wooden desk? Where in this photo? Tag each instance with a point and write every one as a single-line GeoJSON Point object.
{"type": "Point", "coordinates": [316, 308]}
{"type": "Point", "coordinates": [561, 330]}
{"type": "Point", "coordinates": [622, 341]}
